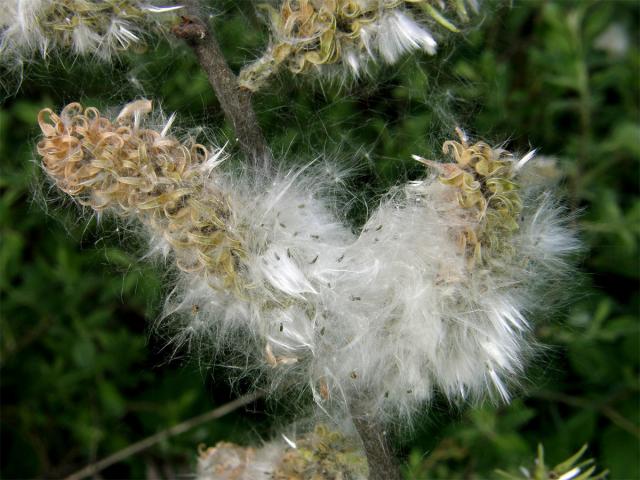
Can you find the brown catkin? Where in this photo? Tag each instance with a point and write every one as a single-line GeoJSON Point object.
{"type": "Point", "coordinates": [141, 173]}
{"type": "Point", "coordinates": [313, 33]}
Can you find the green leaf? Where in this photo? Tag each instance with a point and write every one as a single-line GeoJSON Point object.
{"type": "Point", "coordinates": [111, 400]}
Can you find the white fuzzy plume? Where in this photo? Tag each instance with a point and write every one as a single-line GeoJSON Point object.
{"type": "Point", "coordinates": [290, 240]}
{"type": "Point", "coordinates": [32, 29]}
{"type": "Point", "coordinates": [408, 316]}
{"type": "Point", "coordinates": [390, 317]}
{"type": "Point", "coordinates": [385, 319]}
{"type": "Point", "coordinates": [433, 295]}
{"type": "Point", "coordinates": [396, 34]}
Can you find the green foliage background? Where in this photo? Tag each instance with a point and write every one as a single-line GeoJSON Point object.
{"type": "Point", "coordinates": [81, 374]}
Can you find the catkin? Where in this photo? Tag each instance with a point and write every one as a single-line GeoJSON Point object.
{"type": "Point", "coordinates": [486, 189]}
{"type": "Point", "coordinates": [142, 173]}
{"type": "Point", "coordinates": [321, 454]}
{"type": "Point", "coordinates": [317, 33]}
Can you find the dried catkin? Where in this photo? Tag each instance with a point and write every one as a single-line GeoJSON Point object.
{"type": "Point", "coordinates": [255, 253]}
{"type": "Point", "coordinates": [99, 29]}
{"type": "Point", "coordinates": [142, 173]}
{"type": "Point", "coordinates": [37, 31]}
{"type": "Point", "coordinates": [321, 454]}
{"type": "Point", "coordinates": [334, 35]}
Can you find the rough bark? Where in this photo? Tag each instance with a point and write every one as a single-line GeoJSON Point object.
{"type": "Point", "coordinates": [377, 447]}
{"type": "Point", "coordinates": [235, 101]}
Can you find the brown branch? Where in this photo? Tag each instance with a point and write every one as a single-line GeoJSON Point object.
{"type": "Point", "coordinates": [235, 101]}
{"type": "Point", "coordinates": [376, 443]}
{"type": "Point", "coordinates": [148, 442]}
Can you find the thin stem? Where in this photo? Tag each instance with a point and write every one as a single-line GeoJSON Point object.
{"type": "Point", "coordinates": [148, 442]}
{"type": "Point", "coordinates": [235, 101]}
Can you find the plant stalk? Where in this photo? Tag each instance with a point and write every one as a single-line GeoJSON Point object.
{"type": "Point", "coordinates": [377, 447]}
{"type": "Point", "coordinates": [235, 101]}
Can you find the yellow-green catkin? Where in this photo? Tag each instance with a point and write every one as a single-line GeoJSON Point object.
{"type": "Point", "coordinates": [145, 174]}
{"type": "Point", "coordinates": [308, 33]}
{"type": "Point", "coordinates": [322, 454]}
{"type": "Point", "coordinates": [486, 188]}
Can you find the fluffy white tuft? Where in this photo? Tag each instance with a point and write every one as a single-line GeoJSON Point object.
{"type": "Point", "coordinates": [407, 317]}
{"type": "Point", "coordinates": [290, 240]}
{"type": "Point", "coordinates": [385, 319]}
{"type": "Point", "coordinates": [396, 34]}
{"type": "Point", "coordinates": [393, 34]}
{"type": "Point", "coordinates": [98, 29]}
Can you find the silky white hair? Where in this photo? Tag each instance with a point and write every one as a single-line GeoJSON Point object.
{"type": "Point", "coordinates": [23, 38]}
{"type": "Point", "coordinates": [388, 317]}
{"type": "Point", "coordinates": [373, 323]}
{"type": "Point", "coordinates": [411, 319]}
{"type": "Point", "coordinates": [290, 238]}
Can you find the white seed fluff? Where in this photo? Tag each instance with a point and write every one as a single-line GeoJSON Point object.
{"type": "Point", "coordinates": [39, 28]}
{"type": "Point", "coordinates": [434, 295]}
{"type": "Point", "coordinates": [383, 320]}
{"type": "Point", "coordinates": [288, 235]}
{"type": "Point", "coordinates": [407, 317]}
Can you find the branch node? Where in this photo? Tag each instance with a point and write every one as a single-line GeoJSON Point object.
{"type": "Point", "coordinates": [190, 28]}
